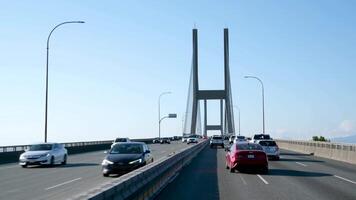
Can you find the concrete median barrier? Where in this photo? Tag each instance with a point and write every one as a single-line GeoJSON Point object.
{"type": "Point", "coordinates": [148, 181]}
{"type": "Point", "coordinates": [335, 151]}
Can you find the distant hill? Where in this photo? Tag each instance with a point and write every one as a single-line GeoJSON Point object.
{"type": "Point", "coordinates": [346, 139]}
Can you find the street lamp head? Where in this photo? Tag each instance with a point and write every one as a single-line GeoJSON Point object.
{"type": "Point", "coordinates": [247, 76]}
{"type": "Point", "coordinates": [82, 22]}
{"type": "Point", "coordinates": [172, 115]}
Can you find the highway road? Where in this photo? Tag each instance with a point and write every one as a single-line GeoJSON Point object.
{"type": "Point", "coordinates": [295, 176]}
{"type": "Point", "coordinates": [83, 172]}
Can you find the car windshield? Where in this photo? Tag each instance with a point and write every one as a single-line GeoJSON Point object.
{"type": "Point", "coordinates": [249, 146]}
{"type": "Point", "coordinates": [217, 137]}
{"type": "Point", "coordinates": [127, 149]}
{"type": "Point", "coordinates": [268, 143]}
{"type": "Point", "coordinates": [261, 136]}
{"type": "Point", "coordinates": [41, 147]}
{"type": "Point", "coordinates": [120, 140]}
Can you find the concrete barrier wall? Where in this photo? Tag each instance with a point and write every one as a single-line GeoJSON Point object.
{"type": "Point", "coordinates": [145, 182]}
{"type": "Point", "coordinates": [10, 154]}
{"type": "Point", "coordinates": [336, 151]}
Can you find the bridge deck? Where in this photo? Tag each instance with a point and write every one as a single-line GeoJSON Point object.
{"type": "Point", "coordinates": [295, 176]}
{"type": "Point", "coordinates": [82, 173]}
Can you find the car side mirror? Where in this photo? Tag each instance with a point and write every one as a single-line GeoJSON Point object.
{"type": "Point", "coordinates": [148, 151]}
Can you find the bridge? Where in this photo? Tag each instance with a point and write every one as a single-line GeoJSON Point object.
{"type": "Point", "coordinates": [306, 170]}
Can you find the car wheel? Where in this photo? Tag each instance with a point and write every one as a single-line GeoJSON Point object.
{"type": "Point", "coordinates": [106, 174]}
{"type": "Point", "coordinates": [24, 166]}
{"type": "Point", "coordinates": [232, 170]}
{"type": "Point", "coordinates": [152, 160]}
{"type": "Point", "coordinates": [222, 146]}
{"type": "Point", "coordinates": [265, 170]}
{"type": "Point", "coordinates": [227, 166]}
{"type": "Point", "coordinates": [64, 160]}
{"type": "Point", "coordinates": [52, 161]}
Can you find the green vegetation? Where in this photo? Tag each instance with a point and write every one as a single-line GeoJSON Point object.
{"type": "Point", "coordinates": [320, 139]}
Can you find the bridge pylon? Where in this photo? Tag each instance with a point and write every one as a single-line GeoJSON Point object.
{"type": "Point", "coordinates": [192, 123]}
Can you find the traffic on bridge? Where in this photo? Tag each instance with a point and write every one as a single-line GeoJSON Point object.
{"type": "Point", "coordinates": [178, 100]}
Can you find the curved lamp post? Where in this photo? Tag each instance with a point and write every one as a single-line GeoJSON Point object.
{"type": "Point", "coordinates": [171, 115]}
{"type": "Point", "coordinates": [263, 100]}
{"type": "Point", "coordinates": [49, 36]}
{"type": "Point", "coordinates": [159, 112]}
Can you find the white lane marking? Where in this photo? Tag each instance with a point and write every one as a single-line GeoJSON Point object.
{"type": "Point", "coordinates": [259, 176]}
{"type": "Point", "coordinates": [242, 179]}
{"type": "Point", "coordinates": [299, 163]}
{"type": "Point", "coordinates": [63, 183]}
{"type": "Point", "coordinates": [345, 179]}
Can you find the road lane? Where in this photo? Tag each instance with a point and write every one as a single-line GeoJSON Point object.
{"type": "Point", "coordinates": [83, 172]}
{"type": "Point", "coordinates": [313, 178]}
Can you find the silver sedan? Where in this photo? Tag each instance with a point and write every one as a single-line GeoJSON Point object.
{"type": "Point", "coordinates": [44, 154]}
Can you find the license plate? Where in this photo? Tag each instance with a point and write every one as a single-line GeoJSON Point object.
{"type": "Point", "coordinates": [250, 156]}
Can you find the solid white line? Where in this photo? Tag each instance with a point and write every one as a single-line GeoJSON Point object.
{"type": "Point", "coordinates": [259, 176]}
{"type": "Point", "coordinates": [304, 165]}
{"type": "Point", "coordinates": [345, 179]}
{"type": "Point", "coordinates": [63, 183]}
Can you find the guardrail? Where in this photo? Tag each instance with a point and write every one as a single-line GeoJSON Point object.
{"type": "Point", "coordinates": [145, 182]}
{"type": "Point", "coordinates": [9, 154]}
{"type": "Point", "coordinates": [336, 151]}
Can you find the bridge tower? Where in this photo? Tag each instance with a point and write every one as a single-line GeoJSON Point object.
{"type": "Point", "coordinates": [192, 123]}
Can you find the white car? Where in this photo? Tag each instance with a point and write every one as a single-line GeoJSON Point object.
{"type": "Point", "coordinates": [120, 140]}
{"type": "Point", "coordinates": [44, 154]}
{"type": "Point", "coordinates": [217, 140]}
{"type": "Point", "coordinates": [231, 139]}
{"type": "Point", "coordinates": [257, 137]}
{"type": "Point", "coordinates": [240, 138]}
{"type": "Point", "coordinates": [184, 139]}
{"type": "Point", "coordinates": [271, 148]}
{"type": "Point", "coordinates": [192, 140]}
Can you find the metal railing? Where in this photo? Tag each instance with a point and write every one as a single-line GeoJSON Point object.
{"type": "Point", "coordinates": [69, 144]}
{"type": "Point", "coordinates": [327, 145]}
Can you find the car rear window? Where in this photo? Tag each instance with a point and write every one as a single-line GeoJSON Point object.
{"type": "Point", "coordinates": [120, 140]}
{"type": "Point", "coordinates": [268, 143]}
{"type": "Point", "coordinates": [123, 148]}
{"type": "Point", "coordinates": [41, 147]}
{"type": "Point", "coordinates": [249, 146]}
{"type": "Point", "coordinates": [261, 136]}
{"type": "Point", "coordinates": [241, 137]}
{"type": "Point", "coordinates": [217, 137]}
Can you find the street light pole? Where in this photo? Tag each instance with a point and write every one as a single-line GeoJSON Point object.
{"type": "Point", "coordinates": [239, 119]}
{"type": "Point", "coordinates": [159, 112]}
{"type": "Point", "coordinates": [263, 100]}
{"type": "Point", "coordinates": [171, 115]}
{"type": "Point", "coordinates": [46, 103]}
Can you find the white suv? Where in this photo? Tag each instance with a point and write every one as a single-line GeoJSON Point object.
{"type": "Point", "coordinates": [217, 140]}
{"type": "Point", "coordinates": [120, 140]}
{"type": "Point", "coordinates": [257, 137]}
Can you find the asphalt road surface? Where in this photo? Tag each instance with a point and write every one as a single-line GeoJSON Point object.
{"type": "Point", "coordinates": [294, 176]}
{"type": "Point", "coordinates": [83, 172]}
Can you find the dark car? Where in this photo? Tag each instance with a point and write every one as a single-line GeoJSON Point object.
{"type": "Point", "coordinates": [156, 140]}
{"type": "Point", "coordinates": [248, 155]}
{"type": "Point", "coordinates": [165, 141]}
{"type": "Point", "coordinates": [126, 156]}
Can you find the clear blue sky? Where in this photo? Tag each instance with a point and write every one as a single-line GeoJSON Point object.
{"type": "Point", "coordinates": [106, 74]}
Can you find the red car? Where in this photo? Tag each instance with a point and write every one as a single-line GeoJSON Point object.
{"type": "Point", "coordinates": [248, 155]}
